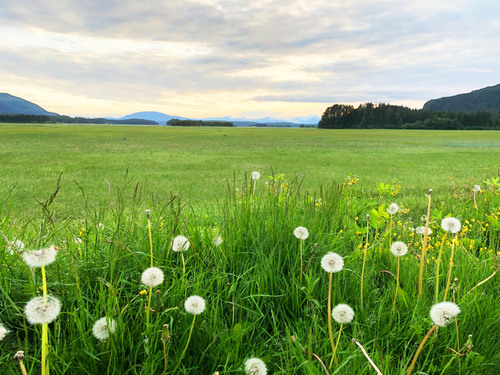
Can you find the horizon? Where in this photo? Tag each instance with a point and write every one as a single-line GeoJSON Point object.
{"type": "Point", "coordinates": [217, 58]}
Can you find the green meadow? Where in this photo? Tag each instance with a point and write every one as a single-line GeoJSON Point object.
{"type": "Point", "coordinates": [267, 294]}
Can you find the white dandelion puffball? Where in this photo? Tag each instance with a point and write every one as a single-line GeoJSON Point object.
{"type": "Point", "coordinates": [100, 226]}
{"type": "Point", "coordinates": [399, 248]}
{"type": "Point", "coordinates": [78, 241]}
{"type": "Point", "coordinates": [103, 328]}
{"type": "Point", "coordinates": [3, 332]}
{"type": "Point", "coordinates": [180, 243]}
{"type": "Point", "coordinates": [421, 230]}
{"type": "Point", "coordinates": [342, 313]}
{"type": "Point", "coordinates": [255, 175]}
{"type": "Point", "coordinates": [450, 224]}
{"type": "Point", "coordinates": [442, 313]}
{"type": "Point", "coordinates": [40, 258]}
{"type": "Point", "coordinates": [393, 209]}
{"type": "Point", "coordinates": [40, 311]}
{"type": "Point", "coordinates": [332, 262]}
{"type": "Point", "coordinates": [15, 247]}
{"type": "Point", "coordinates": [255, 366]}
{"type": "Point", "coordinates": [477, 188]}
{"type": "Point", "coordinates": [301, 233]}
{"type": "Point", "coordinates": [218, 240]}
{"type": "Point", "coordinates": [195, 305]}
{"type": "Point", "coordinates": [152, 276]}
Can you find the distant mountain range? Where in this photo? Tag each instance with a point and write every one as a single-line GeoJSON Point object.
{"type": "Point", "coordinates": [10, 104]}
{"type": "Point", "coordinates": [485, 99]}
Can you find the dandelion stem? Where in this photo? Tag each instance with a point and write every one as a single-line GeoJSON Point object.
{"type": "Point", "coordinates": [150, 240]}
{"type": "Point", "coordinates": [330, 330]}
{"type": "Point", "coordinates": [301, 261]}
{"type": "Point", "coordinates": [365, 249]}
{"type": "Point", "coordinates": [148, 308]}
{"type": "Point", "coordinates": [397, 288]}
{"type": "Point", "coordinates": [424, 247]}
{"type": "Point", "coordinates": [337, 344]}
{"type": "Point", "coordinates": [475, 203]}
{"type": "Point", "coordinates": [185, 348]}
{"type": "Point", "coordinates": [367, 356]}
{"type": "Point", "coordinates": [448, 280]}
{"type": "Point", "coordinates": [412, 364]}
{"type": "Point", "coordinates": [437, 267]}
{"type": "Point", "coordinates": [45, 329]}
{"type": "Point", "coordinates": [183, 265]}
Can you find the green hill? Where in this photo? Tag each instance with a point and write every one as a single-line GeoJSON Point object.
{"type": "Point", "coordinates": [485, 99]}
{"type": "Point", "coordinates": [10, 104]}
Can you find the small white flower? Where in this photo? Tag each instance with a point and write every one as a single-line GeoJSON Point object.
{"type": "Point", "coordinates": [180, 243]}
{"type": "Point", "coordinates": [3, 332]}
{"type": "Point", "coordinates": [423, 217]}
{"type": "Point", "coordinates": [301, 233]}
{"type": "Point", "coordinates": [40, 258]}
{"type": "Point", "coordinates": [342, 313]}
{"type": "Point", "coordinates": [477, 188]}
{"type": "Point", "coordinates": [100, 226]}
{"type": "Point", "coordinates": [421, 230]}
{"type": "Point", "coordinates": [393, 209]}
{"type": "Point", "coordinates": [103, 328]}
{"type": "Point", "coordinates": [399, 248]}
{"type": "Point", "coordinates": [78, 241]}
{"type": "Point", "coordinates": [40, 311]}
{"type": "Point", "coordinates": [195, 305]}
{"type": "Point", "coordinates": [218, 240]}
{"type": "Point", "coordinates": [442, 313]}
{"type": "Point", "coordinates": [152, 276]}
{"type": "Point", "coordinates": [255, 175]}
{"type": "Point", "coordinates": [15, 247]}
{"type": "Point", "coordinates": [332, 262]}
{"type": "Point", "coordinates": [255, 366]}
{"type": "Point", "coordinates": [450, 224]}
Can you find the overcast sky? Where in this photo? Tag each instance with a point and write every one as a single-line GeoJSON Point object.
{"type": "Point", "coordinates": [201, 58]}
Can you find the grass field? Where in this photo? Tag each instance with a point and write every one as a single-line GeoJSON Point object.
{"type": "Point", "coordinates": [266, 292]}
{"type": "Point", "coordinates": [197, 162]}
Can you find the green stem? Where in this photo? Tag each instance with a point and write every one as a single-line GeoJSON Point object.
{"type": "Point", "coordinates": [448, 280]}
{"type": "Point", "coordinates": [337, 344]}
{"type": "Point", "coordinates": [183, 264]}
{"type": "Point", "coordinates": [330, 329]}
{"type": "Point", "coordinates": [185, 348]}
{"type": "Point", "coordinates": [424, 249]}
{"type": "Point", "coordinates": [301, 262]}
{"type": "Point", "coordinates": [365, 250]}
{"type": "Point", "coordinates": [45, 329]}
{"type": "Point", "coordinates": [397, 288]}
{"type": "Point", "coordinates": [437, 267]}
{"type": "Point", "coordinates": [420, 349]}
{"type": "Point", "coordinates": [150, 241]}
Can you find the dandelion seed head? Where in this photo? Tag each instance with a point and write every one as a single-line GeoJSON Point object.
{"type": "Point", "coordinates": [393, 209]}
{"type": "Point", "coordinates": [180, 243]}
{"type": "Point", "coordinates": [152, 276]}
{"type": "Point", "coordinates": [343, 313]}
{"type": "Point", "coordinates": [301, 233]}
{"type": "Point", "coordinates": [195, 305]}
{"type": "Point", "coordinates": [40, 311]}
{"type": "Point", "coordinates": [100, 226]}
{"type": "Point", "coordinates": [15, 247]}
{"type": "Point", "coordinates": [399, 248]}
{"type": "Point", "coordinates": [477, 188]}
{"type": "Point", "coordinates": [103, 328]}
{"type": "Point", "coordinates": [217, 240]}
{"type": "Point", "coordinates": [255, 175]}
{"type": "Point", "coordinates": [78, 241]}
{"type": "Point", "coordinates": [421, 230]}
{"type": "Point", "coordinates": [451, 224]}
{"type": "Point", "coordinates": [40, 258]}
{"type": "Point", "coordinates": [442, 313]}
{"type": "Point", "coordinates": [3, 332]}
{"type": "Point", "coordinates": [255, 366]}
{"type": "Point", "coordinates": [332, 262]}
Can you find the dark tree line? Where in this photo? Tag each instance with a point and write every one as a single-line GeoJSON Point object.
{"type": "Point", "coordinates": [386, 116]}
{"type": "Point", "coordinates": [178, 122]}
{"type": "Point", "coordinates": [44, 119]}
{"type": "Point", "coordinates": [20, 118]}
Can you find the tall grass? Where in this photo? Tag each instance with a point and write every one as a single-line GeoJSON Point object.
{"type": "Point", "coordinates": [256, 305]}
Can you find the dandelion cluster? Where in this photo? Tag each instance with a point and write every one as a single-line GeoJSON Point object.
{"type": "Point", "coordinates": [332, 262]}
{"type": "Point", "coordinates": [180, 243]}
{"type": "Point", "coordinates": [442, 313]}
{"type": "Point", "coordinates": [41, 310]}
{"type": "Point", "coordinates": [343, 313]}
{"type": "Point", "coordinates": [450, 224]}
{"type": "Point", "coordinates": [152, 276]}
{"type": "Point", "coordinates": [399, 248]}
{"type": "Point", "coordinates": [103, 328]}
{"type": "Point", "coordinates": [421, 230]}
{"type": "Point", "coordinates": [393, 209]}
{"type": "Point", "coordinates": [195, 305]}
{"type": "Point", "coordinates": [15, 247]}
{"type": "Point", "coordinates": [255, 366]}
{"type": "Point", "coordinates": [40, 258]}
{"type": "Point", "coordinates": [301, 233]}
{"type": "Point", "coordinates": [3, 332]}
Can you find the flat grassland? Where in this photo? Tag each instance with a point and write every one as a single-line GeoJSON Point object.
{"type": "Point", "coordinates": [197, 162]}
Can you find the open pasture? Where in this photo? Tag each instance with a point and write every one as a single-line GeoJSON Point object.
{"type": "Point", "coordinates": [124, 281]}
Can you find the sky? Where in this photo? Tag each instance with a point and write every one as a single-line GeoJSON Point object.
{"type": "Point", "coordinates": [214, 58]}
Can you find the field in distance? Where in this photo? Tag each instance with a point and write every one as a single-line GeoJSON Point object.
{"type": "Point", "coordinates": [197, 162]}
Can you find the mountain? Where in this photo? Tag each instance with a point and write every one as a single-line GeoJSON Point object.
{"type": "Point", "coordinates": [10, 104]}
{"type": "Point", "coordinates": [485, 99]}
{"type": "Point", "coordinates": [160, 118]}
